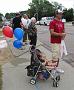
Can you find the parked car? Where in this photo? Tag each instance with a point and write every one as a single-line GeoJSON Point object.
{"type": "Point", "coordinates": [46, 20]}
{"type": "Point", "coordinates": [63, 20]}
{"type": "Point", "coordinates": [37, 23]}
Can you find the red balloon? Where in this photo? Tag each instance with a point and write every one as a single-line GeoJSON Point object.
{"type": "Point", "coordinates": [7, 31]}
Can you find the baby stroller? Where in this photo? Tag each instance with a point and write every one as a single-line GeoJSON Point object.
{"type": "Point", "coordinates": [37, 68]}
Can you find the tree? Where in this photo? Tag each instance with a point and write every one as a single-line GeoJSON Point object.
{"type": "Point", "coordinates": [43, 8]}
{"type": "Point", "coordinates": [1, 16]}
{"type": "Point", "coordinates": [9, 15]}
{"type": "Point", "coordinates": [48, 9]}
{"type": "Point", "coordinates": [40, 8]}
{"type": "Point", "coordinates": [56, 6]}
{"type": "Point", "coordinates": [68, 14]}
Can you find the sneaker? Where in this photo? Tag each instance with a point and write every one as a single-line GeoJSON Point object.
{"type": "Point", "coordinates": [59, 70]}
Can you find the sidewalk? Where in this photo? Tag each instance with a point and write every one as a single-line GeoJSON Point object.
{"type": "Point", "coordinates": [15, 78]}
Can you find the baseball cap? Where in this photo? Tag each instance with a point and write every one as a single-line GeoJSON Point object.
{"type": "Point", "coordinates": [58, 11]}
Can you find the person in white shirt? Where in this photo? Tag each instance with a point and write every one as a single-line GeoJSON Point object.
{"type": "Point", "coordinates": [25, 21]}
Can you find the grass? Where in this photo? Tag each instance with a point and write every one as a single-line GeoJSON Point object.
{"type": "Point", "coordinates": [0, 78]}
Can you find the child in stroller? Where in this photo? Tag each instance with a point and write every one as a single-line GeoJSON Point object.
{"type": "Point", "coordinates": [49, 64]}
{"type": "Point", "coordinates": [41, 66]}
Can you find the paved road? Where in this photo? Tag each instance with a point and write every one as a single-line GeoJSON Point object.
{"type": "Point", "coordinates": [44, 37]}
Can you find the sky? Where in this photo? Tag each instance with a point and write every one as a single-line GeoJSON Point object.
{"type": "Point", "coordinates": [21, 5]}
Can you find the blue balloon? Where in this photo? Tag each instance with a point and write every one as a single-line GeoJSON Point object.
{"type": "Point", "coordinates": [18, 33]}
{"type": "Point", "coordinates": [17, 44]}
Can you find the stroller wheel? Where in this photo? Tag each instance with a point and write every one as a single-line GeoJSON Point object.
{"type": "Point", "coordinates": [58, 78]}
{"type": "Point", "coordinates": [55, 84]}
{"type": "Point", "coordinates": [33, 81]}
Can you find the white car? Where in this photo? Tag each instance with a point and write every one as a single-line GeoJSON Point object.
{"type": "Point", "coordinates": [46, 20]}
{"type": "Point", "coordinates": [37, 23]}
{"type": "Point", "coordinates": [63, 20]}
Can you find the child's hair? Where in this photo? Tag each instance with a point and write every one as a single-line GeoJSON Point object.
{"type": "Point", "coordinates": [38, 52]}
{"type": "Point", "coordinates": [39, 55]}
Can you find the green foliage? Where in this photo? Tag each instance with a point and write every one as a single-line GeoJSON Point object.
{"type": "Point", "coordinates": [56, 5]}
{"type": "Point", "coordinates": [41, 7]}
{"type": "Point", "coordinates": [68, 14]}
{"type": "Point", "coordinates": [9, 15]}
{"type": "Point", "coordinates": [1, 17]}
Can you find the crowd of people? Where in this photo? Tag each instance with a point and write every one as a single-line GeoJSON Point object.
{"type": "Point", "coordinates": [56, 29]}
{"type": "Point", "coordinates": [28, 25]}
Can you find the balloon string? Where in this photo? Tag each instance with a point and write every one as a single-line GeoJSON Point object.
{"type": "Point", "coordinates": [9, 47]}
{"type": "Point", "coordinates": [11, 50]}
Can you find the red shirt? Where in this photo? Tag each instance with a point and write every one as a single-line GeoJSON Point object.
{"type": "Point", "coordinates": [58, 27]}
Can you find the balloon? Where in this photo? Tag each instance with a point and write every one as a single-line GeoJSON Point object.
{"type": "Point", "coordinates": [17, 44]}
{"type": "Point", "coordinates": [18, 33]}
{"type": "Point", "coordinates": [7, 31]}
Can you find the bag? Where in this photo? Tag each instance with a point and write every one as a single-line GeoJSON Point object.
{"type": "Point", "coordinates": [31, 70]}
{"type": "Point", "coordinates": [45, 74]}
{"type": "Point", "coordinates": [63, 48]}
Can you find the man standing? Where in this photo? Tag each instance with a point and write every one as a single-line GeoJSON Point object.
{"type": "Point", "coordinates": [57, 34]}
{"type": "Point", "coordinates": [16, 22]}
{"type": "Point", "coordinates": [25, 21]}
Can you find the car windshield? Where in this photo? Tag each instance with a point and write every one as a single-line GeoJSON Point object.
{"type": "Point", "coordinates": [49, 18]}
